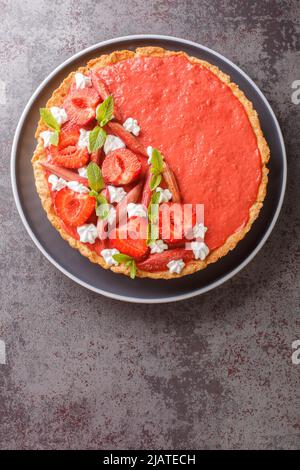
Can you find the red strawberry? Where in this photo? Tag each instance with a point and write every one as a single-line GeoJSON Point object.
{"type": "Point", "coordinates": [159, 261]}
{"type": "Point", "coordinates": [174, 223]}
{"type": "Point", "coordinates": [121, 167]}
{"type": "Point", "coordinates": [130, 239]}
{"type": "Point", "coordinates": [69, 157]}
{"type": "Point", "coordinates": [80, 106]}
{"type": "Point", "coordinates": [73, 208]}
{"type": "Point", "coordinates": [68, 136]}
{"type": "Point", "coordinates": [130, 140]}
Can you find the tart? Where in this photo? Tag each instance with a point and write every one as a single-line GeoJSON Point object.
{"type": "Point", "coordinates": [137, 135]}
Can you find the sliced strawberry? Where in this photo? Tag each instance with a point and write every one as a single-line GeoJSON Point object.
{"type": "Point", "coordinates": [103, 91]}
{"type": "Point", "coordinates": [174, 223]}
{"type": "Point", "coordinates": [69, 157]}
{"type": "Point", "coordinates": [130, 239]}
{"type": "Point", "coordinates": [171, 182]}
{"type": "Point", "coordinates": [121, 167]}
{"type": "Point", "coordinates": [67, 175]}
{"type": "Point", "coordinates": [80, 106]}
{"type": "Point", "coordinates": [130, 140]}
{"type": "Point", "coordinates": [73, 208]}
{"type": "Point", "coordinates": [68, 136]}
{"type": "Point", "coordinates": [159, 261]}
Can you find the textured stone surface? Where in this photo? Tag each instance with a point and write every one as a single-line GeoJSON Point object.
{"type": "Point", "coordinates": [84, 371]}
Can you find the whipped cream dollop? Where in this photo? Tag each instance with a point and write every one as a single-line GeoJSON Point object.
{"type": "Point", "coordinates": [199, 230]}
{"type": "Point", "coordinates": [149, 153]}
{"type": "Point", "coordinates": [107, 255]}
{"type": "Point", "coordinates": [200, 250]}
{"type": "Point", "coordinates": [176, 266]}
{"type": "Point", "coordinates": [82, 81]}
{"type": "Point", "coordinates": [46, 136]}
{"type": "Point", "coordinates": [87, 233]}
{"type": "Point", "coordinates": [77, 187]}
{"type": "Point", "coordinates": [59, 114]}
{"type": "Point", "coordinates": [59, 183]}
{"type": "Point", "coordinates": [136, 210]}
{"type": "Point", "coordinates": [56, 183]}
{"type": "Point", "coordinates": [116, 194]}
{"type": "Point", "coordinates": [83, 171]}
{"type": "Point", "coordinates": [113, 143]}
{"type": "Point", "coordinates": [131, 125]}
{"type": "Point", "coordinates": [112, 215]}
{"type": "Point", "coordinates": [157, 246]}
{"type": "Point", "coordinates": [164, 195]}
{"type": "Point", "coordinates": [83, 140]}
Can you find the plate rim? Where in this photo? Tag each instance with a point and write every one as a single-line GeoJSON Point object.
{"type": "Point", "coordinates": [131, 299]}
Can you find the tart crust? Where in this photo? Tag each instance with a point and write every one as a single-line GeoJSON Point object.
{"type": "Point", "coordinates": [42, 185]}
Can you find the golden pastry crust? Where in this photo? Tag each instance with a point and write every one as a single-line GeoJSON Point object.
{"type": "Point", "coordinates": [42, 186]}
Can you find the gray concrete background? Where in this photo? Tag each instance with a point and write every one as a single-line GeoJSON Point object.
{"type": "Point", "coordinates": [84, 371]}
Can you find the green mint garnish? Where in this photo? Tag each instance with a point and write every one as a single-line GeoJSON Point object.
{"type": "Point", "coordinates": [157, 167]}
{"type": "Point", "coordinates": [49, 119]}
{"type": "Point", "coordinates": [129, 263]}
{"type": "Point", "coordinates": [105, 111]}
{"type": "Point", "coordinates": [121, 258]}
{"type": "Point", "coordinates": [54, 138]}
{"type": "Point", "coordinates": [153, 214]}
{"type": "Point", "coordinates": [102, 209]}
{"type": "Point", "coordinates": [95, 177]}
{"type": "Point", "coordinates": [157, 162]}
{"type": "Point", "coordinates": [97, 139]}
{"type": "Point", "coordinates": [155, 181]}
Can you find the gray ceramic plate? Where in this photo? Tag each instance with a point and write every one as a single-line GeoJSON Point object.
{"type": "Point", "coordinates": [75, 266]}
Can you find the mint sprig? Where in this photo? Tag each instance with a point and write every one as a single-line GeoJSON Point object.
{"type": "Point", "coordinates": [96, 183]}
{"type": "Point", "coordinates": [97, 139]}
{"type": "Point", "coordinates": [95, 178]}
{"type": "Point", "coordinates": [153, 216]}
{"type": "Point", "coordinates": [156, 168]}
{"type": "Point", "coordinates": [128, 261]}
{"type": "Point", "coordinates": [50, 121]}
{"type": "Point", "coordinates": [105, 111]}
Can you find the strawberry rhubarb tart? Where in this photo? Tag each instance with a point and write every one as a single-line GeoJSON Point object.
{"type": "Point", "coordinates": [150, 163]}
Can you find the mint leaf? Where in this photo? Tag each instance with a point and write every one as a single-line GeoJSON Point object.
{"type": "Point", "coordinates": [95, 177]}
{"type": "Point", "coordinates": [54, 138]}
{"type": "Point", "coordinates": [104, 112]}
{"type": "Point", "coordinates": [155, 181]}
{"type": "Point", "coordinates": [132, 269]}
{"type": "Point", "coordinates": [157, 162]}
{"type": "Point", "coordinates": [102, 209]}
{"type": "Point", "coordinates": [97, 139]}
{"type": "Point", "coordinates": [93, 193]}
{"type": "Point", "coordinates": [49, 119]}
{"type": "Point", "coordinates": [121, 258]}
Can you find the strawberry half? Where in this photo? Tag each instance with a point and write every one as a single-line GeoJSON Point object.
{"type": "Point", "coordinates": [69, 157]}
{"type": "Point", "coordinates": [134, 244]}
{"type": "Point", "coordinates": [159, 261]}
{"type": "Point", "coordinates": [174, 223]}
{"type": "Point", "coordinates": [68, 136]}
{"type": "Point", "coordinates": [80, 106]}
{"type": "Point", "coordinates": [121, 167]}
{"type": "Point", "coordinates": [73, 208]}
